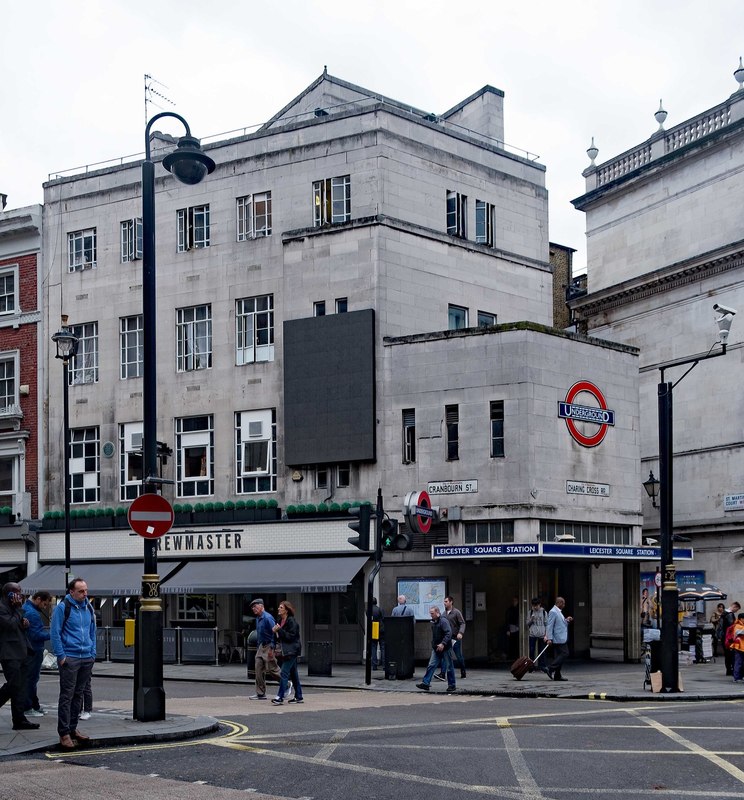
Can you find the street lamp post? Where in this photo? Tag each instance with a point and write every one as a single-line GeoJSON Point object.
{"type": "Point", "coordinates": [669, 591]}
{"type": "Point", "coordinates": [189, 164]}
{"type": "Point", "coordinates": [67, 345]}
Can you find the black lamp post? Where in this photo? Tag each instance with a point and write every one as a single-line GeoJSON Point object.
{"type": "Point", "coordinates": [67, 345]}
{"type": "Point", "coordinates": [669, 592]}
{"type": "Point", "coordinates": [189, 164]}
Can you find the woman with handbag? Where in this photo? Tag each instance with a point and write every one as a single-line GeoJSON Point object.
{"type": "Point", "coordinates": [287, 649]}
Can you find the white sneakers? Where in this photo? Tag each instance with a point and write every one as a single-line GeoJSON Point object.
{"type": "Point", "coordinates": [85, 715]}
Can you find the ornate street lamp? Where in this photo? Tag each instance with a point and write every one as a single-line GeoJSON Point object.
{"type": "Point", "coordinates": [189, 164]}
{"type": "Point", "coordinates": [67, 345]}
{"type": "Point", "coordinates": [652, 488]}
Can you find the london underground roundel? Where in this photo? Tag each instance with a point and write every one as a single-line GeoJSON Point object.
{"type": "Point", "coordinates": [587, 424]}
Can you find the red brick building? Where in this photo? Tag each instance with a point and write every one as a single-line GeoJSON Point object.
{"type": "Point", "coordinates": [20, 329]}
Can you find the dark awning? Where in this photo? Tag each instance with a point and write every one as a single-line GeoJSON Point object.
{"type": "Point", "coordinates": [121, 579]}
{"type": "Point", "coordinates": [326, 574]}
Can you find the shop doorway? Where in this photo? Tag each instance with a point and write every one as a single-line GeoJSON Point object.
{"type": "Point", "coordinates": [337, 618]}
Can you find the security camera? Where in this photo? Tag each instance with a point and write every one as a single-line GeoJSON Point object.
{"type": "Point", "coordinates": [723, 309]}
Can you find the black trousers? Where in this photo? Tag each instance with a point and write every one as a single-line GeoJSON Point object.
{"type": "Point", "coordinates": [14, 688]}
{"type": "Point", "coordinates": [560, 653]}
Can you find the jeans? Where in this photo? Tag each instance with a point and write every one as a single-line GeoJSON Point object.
{"type": "Point", "coordinates": [14, 688]}
{"type": "Point", "coordinates": [33, 671]}
{"type": "Point", "coordinates": [456, 656]}
{"type": "Point", "coordinates": [738, 664]}
{"type": "Point", "coordinates": [375, 662]}
{"type": "Point", "coordinates": [73, 676]}
{"type": "Point", "coordinates": [443, 662]}
{"type": "Point", "coordinates": [266, 667]}
{"type": "Point", "coordinates": [289, 673]}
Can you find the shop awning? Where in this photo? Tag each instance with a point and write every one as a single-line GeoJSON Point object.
{"type": "Point", "coordinates": [236, 576]}
{"type": "Point", "coordinates": [121, 579]}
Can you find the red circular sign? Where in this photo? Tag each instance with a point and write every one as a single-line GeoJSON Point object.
{"type": "Point", "coordinates": [423, 521]}
{"type": "Point", "coordinates": [151, 516]}
{"type": "Point", "coordinates": [581, 438]}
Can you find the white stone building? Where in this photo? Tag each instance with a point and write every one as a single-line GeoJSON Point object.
{"type": "Point", "coordinates": [341, 307]}
{"type": "Point", "coordinates": [664, 244]}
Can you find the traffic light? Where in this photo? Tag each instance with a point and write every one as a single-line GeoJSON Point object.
{"type": "Point", "coordinates": [393, 538]}
{"type": "Point", "coordinates": [363, 516]}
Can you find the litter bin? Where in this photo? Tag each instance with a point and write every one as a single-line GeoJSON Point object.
{"type": "Point", "coordinates": [319, 659]}
{"type": "Point", "coordinates": [250, 654]}
{"type": "Point", "coordinates": [399, 647]}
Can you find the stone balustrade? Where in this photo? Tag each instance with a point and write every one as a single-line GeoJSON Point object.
{"type": "Point", "coordinates": [664, 142]}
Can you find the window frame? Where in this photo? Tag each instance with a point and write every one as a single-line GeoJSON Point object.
{"type": "Point", "coordinates": [130, 447]}
{"type": "Point", "coordinates": [255, 481]}
{"type": "Point", "coordinates": [486, 319]}
{"type": "Point", "coordinates": [131, 368]}
{"type": "Point", "coordinates": [76, 261]}
{"type": "Point", "coordinates": [409, 435]}
{"type": "Point", "coordinates": [343, 469]}
{"type": "Point", "coordinates": [11, 299]}
{"type": "Point", "coordinates": [190, 221]}
{"type": "Point", "coordinates": [457, 213]}
{"type": "Point", "coordinates": [452, 309]}
{"type": "Point", "coordinates": [319, 308]}
{"type": "Point", "coordinates": [189, 333]}
{"type": "Point", "coordinates": [484, 216]}
{"type": "Point", "coordinates": [452, 429]}
{"type": "Point", "coordinates": [186, 614]}
{"type": "Point", "coordinates": [85, 447]}
{"type": "Point", "coordinates": [261, 321]}
{"type": "Point", "coordinates": [83, 369]}
{"type": "Point", "coordinates": [496, 428]}
{"type": "Point", "coordinates": [332, 201]}
{"type": "Point", "coordinates": [248, 219]}
{"type": "Point", "coordinates": [192, 433]}
{"type": "Point", "coordinates": [131, 240]}
{"type": "Point", "coordinates": [342, 305]}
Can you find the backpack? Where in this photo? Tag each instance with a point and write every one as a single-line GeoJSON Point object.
{"type": "Point", "coordinates": [68, 608]}
{"type": "Point", "coordinates": [730, 638]}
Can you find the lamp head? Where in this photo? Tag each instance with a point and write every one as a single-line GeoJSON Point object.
{"type": "Point", "coordinates": [67, 343]}
{"type": "Point", "coordinates": [189, 163]}
{"type": "Point", "coordinates": [651, 485]}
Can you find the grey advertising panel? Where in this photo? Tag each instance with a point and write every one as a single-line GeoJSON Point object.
{"type": "Point", "coordinates": [329, 388]}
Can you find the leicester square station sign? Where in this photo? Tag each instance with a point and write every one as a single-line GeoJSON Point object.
{"type": "Point", "coordinates": [582, 419]}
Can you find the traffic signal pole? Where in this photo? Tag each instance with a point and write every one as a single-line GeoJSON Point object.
{"type": "Point", "coordinates": [379, 513]}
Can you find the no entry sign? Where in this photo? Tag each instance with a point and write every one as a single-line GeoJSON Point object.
{"type": "Point", "coordinates": [151, 516]}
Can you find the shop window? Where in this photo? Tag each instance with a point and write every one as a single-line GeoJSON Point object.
{"type": "Point", "coordinates": [196, 608]}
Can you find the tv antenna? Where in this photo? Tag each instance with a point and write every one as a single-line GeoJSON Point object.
{"type": "Point", "coordinates": [151, 92]}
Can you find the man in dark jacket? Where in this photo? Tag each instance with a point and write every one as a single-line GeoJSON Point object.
{"type": "Point", "coordinates": [36, 610]}
{"type": "Point", "coordinates": [441, 645]}
{"type": "Point", "coordinates": [13, 653]}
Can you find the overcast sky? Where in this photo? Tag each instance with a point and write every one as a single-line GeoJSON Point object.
{"type": "Point", "coordinates": [73, 88]}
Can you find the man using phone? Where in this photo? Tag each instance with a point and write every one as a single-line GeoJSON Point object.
{"type": "Point", "coordinates": [14, 651]}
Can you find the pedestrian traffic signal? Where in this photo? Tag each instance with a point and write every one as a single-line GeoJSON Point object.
{"type": "Point", "coordinates": [363, 516]}
{"type": "Point", "coordinates": [393, 538]}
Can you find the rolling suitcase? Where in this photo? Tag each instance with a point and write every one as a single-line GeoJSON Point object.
{"type": "Point", "coordinates": [523, 665]}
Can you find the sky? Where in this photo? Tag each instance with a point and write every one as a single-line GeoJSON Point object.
{"type": "Point", "coordinates": [72, 91]}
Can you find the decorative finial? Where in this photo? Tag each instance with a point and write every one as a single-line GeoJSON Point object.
{"type": "Point", "coordinates": [592, 152]}
{"type": "Point", "coordinates": [325, 69]}
{"type": "Point", "coordinates": [739, 75]}
{"type": "Point", "coordinates": [660, 116]}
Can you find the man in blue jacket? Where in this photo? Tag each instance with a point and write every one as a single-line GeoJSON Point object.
{"type": "Point", "coordinates": [74, 643]}
{"type": "Point", "coordinates": [36, 610]}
